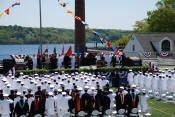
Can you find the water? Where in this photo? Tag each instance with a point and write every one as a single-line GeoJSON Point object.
{"type": "Point", "coordinates": [6, 50]}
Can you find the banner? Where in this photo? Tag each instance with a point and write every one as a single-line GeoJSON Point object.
{"type": "Point", "coordinates": [7, 11]}
{"type": "Point", "coordinates": [164, 54]}
{"type": "Point", "coordinates": [147, 54]}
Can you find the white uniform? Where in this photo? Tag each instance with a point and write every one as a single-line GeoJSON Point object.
{"type": "Point", "coordinates": [57, 102]}
{"type": "Point", "coordinates": [142, 81]}
{"type": "Point", "coordinates": [108, 60]}
{"type": "Point", "coordinates": [164, 84]}
{"type": "Point", "coordinates": [64, 105]}
{"type": "Point", "coordinates": [50, 106]}
{"type": "Point", "coordinates": [59, 62]}
{"type": "Point", "coordinates": [130, 78]}
{"type": "Point", "coordinates": [73, 62]}
{"type": "Point", "coordinates": [171, 84]}
{"type": "Point", "coordinates": [5, 108]}
{"type": "Point", "coordinates": [143, 103]}
{"type": "Point", "coordinates": [34, 59]}
{"type": "Point", "coordinates": [155, 84]}
{"type": "Point", "coordinates": [136, 81]}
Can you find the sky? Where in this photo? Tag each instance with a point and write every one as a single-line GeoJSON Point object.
{"type": "Point", "coordinates": [101, 14]}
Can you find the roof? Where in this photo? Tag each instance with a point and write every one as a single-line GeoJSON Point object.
{"type": "Point", "coordinates": [146, 39]}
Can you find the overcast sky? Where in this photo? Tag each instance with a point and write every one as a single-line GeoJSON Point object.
{"type": "Point", "coordinates": [105, 14]}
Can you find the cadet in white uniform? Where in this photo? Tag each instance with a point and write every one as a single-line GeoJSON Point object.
{"type": "Point", "coordinates": [73, 62]}
{"type": "Point", "coordinates": [34, 59]}
{"type": "Point", "coordinates": [5, 106]}
{"type": "Point", "coordinates": [50, 105]}
{"type": "Point", "coordinates": [143, 101]}
{"type": "Point", "coordinates": [130, 77]}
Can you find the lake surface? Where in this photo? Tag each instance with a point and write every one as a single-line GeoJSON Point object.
{"type": "Point", "coordinates": [6, 50]}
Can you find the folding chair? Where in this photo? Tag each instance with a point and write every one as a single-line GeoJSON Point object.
{"type": "Point", "coordinates": [95, 113]}
{"type": "Point", "coordinates": [108, 113]}
{"type": "Point", "coordinates": [121, 113]}
{"type": "Point", "coordinates": [174, 97]}
{"type": "Point", "coordinates": [81, 114]}
{"type": "Point", "coordinates": [38, 115]}
{"type": "Point", "coordinates": [163, 96]}
{"type": "Point", "coordinates": [134, 113]}
{"type": "Point", "coordinates": [169, 99]}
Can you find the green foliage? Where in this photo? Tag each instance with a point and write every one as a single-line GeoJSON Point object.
{"type": "Point", "coordinates": [161, 20]}
{"type": "Point", "coordinates": [166, 4]}
{"type": "Point", "coordinates": [123, 41]}
{"type": "Point", "coordinates": [102, 69]}
{"type": "Point", "coordinates": [27, 35]}
{"type": "Point", "coordinates": [141, 26]}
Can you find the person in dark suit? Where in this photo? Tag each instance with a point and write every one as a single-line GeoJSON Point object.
{"type": "Point", "coordinates": [66, 61]}
{"type": "Point", "coordinates": [113, 61]}
{"type": "Point", "coordinates": [120, 101]}
{"type": "Point", "coordinates": [99, 100]}
{"type": "Point", "coordinates": [105, 103]}
{"type": "Point", "coordinates": [85, 99]}
{"type": "Point", "coordinates": [39, 93]}
{"type": "Point", "coordinates": [132, 100]}
{"type": "Point", "coordinates": [72, 103]}
{"type": "Point", "coordinates": [36, 107]}
{"type": "Point", "coordinates": [22, 107]}
{"type": "Point", "coordinates": [12, 97]}
{"type": "Point", "coordinates": [91, 104]}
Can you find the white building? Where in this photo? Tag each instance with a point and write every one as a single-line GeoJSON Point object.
{"type": "Point", "coordinates": [155, 43]}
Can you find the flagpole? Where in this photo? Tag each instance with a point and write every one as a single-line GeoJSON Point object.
{"type": "Point", "coordinates": [40, 27]}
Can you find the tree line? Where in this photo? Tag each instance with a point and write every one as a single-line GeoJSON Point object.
{"type": "Point", "coordinates": [28, 35]}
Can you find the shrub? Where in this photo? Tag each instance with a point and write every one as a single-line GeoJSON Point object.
{"type": "Point", "coordinates": [101, 69]}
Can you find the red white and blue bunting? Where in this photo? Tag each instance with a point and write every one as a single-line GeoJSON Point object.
{"type": "Point", "coordinates": [147, 54]}
{"type": "Point", "coordinates": [164, 54]}
{"type": "Point", "coordinates": [18, 56]}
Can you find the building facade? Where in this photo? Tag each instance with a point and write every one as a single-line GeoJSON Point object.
{"type": "Point", "coordinates": [154, 43]}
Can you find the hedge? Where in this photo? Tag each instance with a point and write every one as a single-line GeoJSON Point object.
{"type": "Point", "coordinates": [101, 69]}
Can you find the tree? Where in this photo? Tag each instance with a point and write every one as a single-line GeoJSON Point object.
{"type": "Point", "coordinates": [123, 41]}
{"type": "Point", "coordinates": [161, 20]}
{"type": "Point", "coordinates": [141, 26]}
{"type": "Point", "coordinates": [166, 4]}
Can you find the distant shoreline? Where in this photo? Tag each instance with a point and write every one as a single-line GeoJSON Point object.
{"type": "Point", "coordinates": [39, 43]}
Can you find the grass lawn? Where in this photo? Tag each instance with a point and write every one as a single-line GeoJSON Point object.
{"type": "Point", "coordinates": [163, 67]}
{"type": "Point", "coordinates": [161, 109]}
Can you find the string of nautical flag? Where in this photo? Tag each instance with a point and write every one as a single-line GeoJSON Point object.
{"type": "Point", "coordinates": [7, 11]}
{"type": "Point", "coordinates": [102, 40]}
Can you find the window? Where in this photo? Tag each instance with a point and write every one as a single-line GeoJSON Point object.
{"type": "Point", "coordinates": [166, 45]}
{"type": "Point", "coordinates": [133, 47]}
